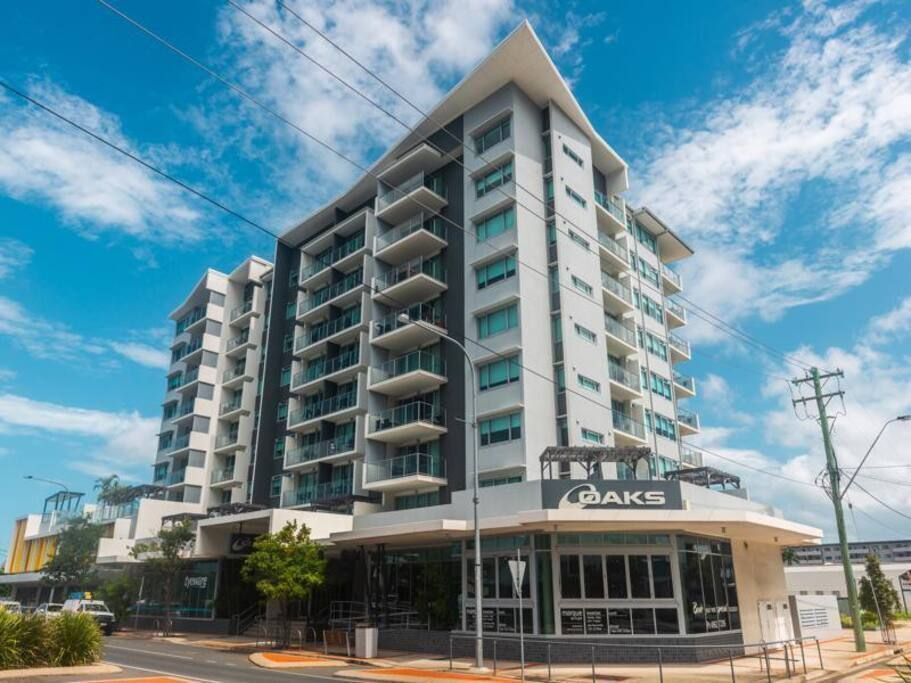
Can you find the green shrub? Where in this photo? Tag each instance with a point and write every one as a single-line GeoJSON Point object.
{"type": "Point", "coordinates": [33, 636]}
{"type": "Point", "coordinates": [75, 639]}
{"type": "Point", "coordinates": [9, 640]}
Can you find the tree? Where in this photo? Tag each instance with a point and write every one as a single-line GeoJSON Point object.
{"type": "Point", "coordinates": [111, 491]}
{"type": "Point", "coordinates": [789, 557]}
{"type": "Point", "coordinates": [73, 562]}
{"type": "Point", "coordinates": [877, 595]}
{"type": "Point", "coordinates": [285, 566]}
{"type": "Point", "coordinates": [119, 594]}
{"type": "Point", "coordinates": [163, 558]}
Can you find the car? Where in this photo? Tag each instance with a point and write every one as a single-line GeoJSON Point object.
{"type": "Point", "coordinates": [11, 606]}
{"type": "Point", "coordinates": [49, 610]}
{"type": "Point", "coordinates": [99, 611]}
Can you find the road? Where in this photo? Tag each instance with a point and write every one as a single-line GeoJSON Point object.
{"type": "Point", "coordinates": [154, 658]}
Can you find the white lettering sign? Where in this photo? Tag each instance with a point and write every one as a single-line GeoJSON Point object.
{"type": "Point", "coordinates": [586, 495]}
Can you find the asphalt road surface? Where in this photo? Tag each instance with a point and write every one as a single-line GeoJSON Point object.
{"type": "Point", "coordinates": [154, 658]}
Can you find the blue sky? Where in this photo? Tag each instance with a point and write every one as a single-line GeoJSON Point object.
{"type": "Point", "coordinates": [774, 137]}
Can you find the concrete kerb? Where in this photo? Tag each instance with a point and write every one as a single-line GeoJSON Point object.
{"type": "Point", "coordinates": [304, 659]}
{"type": "Point", "coordinates": [87, 670]}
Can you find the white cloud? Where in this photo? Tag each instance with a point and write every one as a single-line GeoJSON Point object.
{"type": "Point", "coordinates": [895, 323]}
{"type": "Point", "coordinates": [714, 388]}
{"type": "Point", "coordinates": [6, 375]}
{"type": "Point", "coordinates": [119, 442]}
{"type": "Point", "coordinates": [143, 354]}
{"type": "Point", "coordinates": [14, 255]}
{"type": "Point", "coordinates": [92, 187]}
{"type": "Point", "coordinates": [876, 389]}
{"type": "Point", "coordinates": [826, 117]}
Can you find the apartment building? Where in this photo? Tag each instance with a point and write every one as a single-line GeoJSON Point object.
{"type": "Point", "coordinates": [830, 553]}
{"type": "Point", "coordinates": [208, 412]}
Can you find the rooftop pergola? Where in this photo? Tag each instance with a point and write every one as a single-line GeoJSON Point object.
{"type": "Point", "coordinates": [63, 501]}
{"type": "Point", "coordinates": [591, 457]}
{"type": "Point", "coordinates": [232, 509]}
{"type": "Point", "coordinates": [707, 477]}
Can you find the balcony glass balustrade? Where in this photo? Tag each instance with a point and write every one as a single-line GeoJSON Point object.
{"type": "Point", "coordinates": [432, 225]}
{"type": "Point", "coordinates": [325, 407]}
{"type": "Point", "coordinates": [238, 340]}
{"type": "Point", "coordinates": [223, 440]}
{"type": "Point", "coordinates": [433, 267]}
{"type": "Point", "coordinates": [244, 308]}
{"type": "Point", "coordinates": [416, 360]}
{"type": "Point", "coordinates": [628, 425]}
{"type": "Point", "coordinates": [687, 383]}
{"type": "Point", "coordinates": [428, 313]}
{"type": "Point", "coordinates": [688, 418]}
{"type": "Point", "coordinates": [223, 474]}
{"type": "Point", "coordinates": [327, 328]}
{"type": "Point", "coordinates": [232, 405]}
{"type": "Point", "coordinates": [614, 205]}
{"type": "Point", "coordinates": [624, 331]}
{"type": "Point", "coordinates": [408, 413]}
{"type": "Point", "coordinates": [326, 491]}
{"type": "Point", "coordinates": [418, 463]}
{"type": "Point", "coordinates": [323, 367]}
{"type": "Point", "coordinates": [320, 449]}
{"type": "Point", "coordinates": [433, 183]}
{"type": "Point", "coordinates": [613, 246]}
{"type": "Point", "coordinates": [623, 375]}
{"type": "Point", "coordinates": [675, 308]}
{"type": "Point", "coordinates": [616, 287]}
{"type": "Point", "coordinates": [321, 296]}
{"type": "Point", "coordinates": [334, 256]}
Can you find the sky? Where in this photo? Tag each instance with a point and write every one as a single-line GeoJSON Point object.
{"type": "Point", "coordinates": [773, 137]}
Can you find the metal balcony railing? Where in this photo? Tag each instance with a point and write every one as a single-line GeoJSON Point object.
{"type": "Point", "coordinates": [334, 256]}
{"type": "Point", "coordinates": [433, 183]}
{"type": "Point", "coordinates": [625, 331]}
{"type": "Point", "coordinates": [182, 441]}
{"type": "Point", "coordinates": [238, 340]}
{"type": "Point", "coordinates": [682, 345]}
{"type": "Point", "coordinates": [430, 313]}
{"type": "Point", "coordinates": [613, 285]}
{"type": "Point", "coordinates": [624, 375]}
{"type": "Point", "coordinates": [672, 275]}
{"type": "Point", "coordinates": [176, 477]}
{"type": "Point", "coordinates": [433, 225]}
{"type": "Point", "coordinates": [432, 267]}
{"type": "Point", "coordinates": [324, 407]}
{"type": "Point", "coordinates": [687, 383]}
{"type": "Point", "coordinates": [627, 424]}
{"type": "Point", "coordinates": [416, 360]}
{"type": "Point", "coordinates": [408, 465]}
{"type": "Point", "coordinates": [613, 204]}
{"type": "Point", "coordinates": [408, 413]}
{"type": "Point", "coordinates": [233, 373]}
{"type": "Point", "coordinates": [321, 296]}
{"type": "Point", "coordinates": [322, 367]}
{"type": "Point", "coordinates": [690, 456]}
{"type": "Point", "coordinates": [613, 246]}
{"type": "Point", "coordinates": [688, 418]}
{"type": "Point", "coordinates": [326, 491]}
{"type": "Point", "coordinates": [230, 406]}
{"type": "Point", "coordinates": [245, 307]}
{"type": "Point", "coordinates": [675, 308]}
{"type": "Point", "coordinates": [320, 449]}
{"type": "Point", "coordinates": [220, 475]}
{"type": "Point", "coordinates": [327, 328]}
{"type": "Point", "coordinates": [226, 440]}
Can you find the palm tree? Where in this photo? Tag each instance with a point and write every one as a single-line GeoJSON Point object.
{"type": "Point", "coordinates": [109, 489]}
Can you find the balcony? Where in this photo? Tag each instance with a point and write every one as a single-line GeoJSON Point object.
{"type": "Point", "coordinates": [337, 293]}
{"type": "Point", "coordinates": [237, 346]}
{"type": "Point", "coordinates": [405, 242]}
{"type": "Point", "coordinates": [410, 471]}
{"type": "Point", "coordinates": [328, 448]}
{"type": "Point", "coordinates": [242, 314]}
{"type": "Point", "coordinates": [420, 192]}
{"type": "Point", "coordinates": [675, 313]}
{"type": "Point", "coordinates": [621, 336]}
{"type": "Point", "coordinates": [417, 280]}
{"type": "Point", "coordinates": [342, 256]}
{"type": "Point", "coordinates": [224, 477]}
{"type": "Point", "coordinates": [690, 456]}
{"type": "Point", "coordinates": [611, 211]}
{"type": "Point", "coordinates": [328, 330]}
{"type": "Point", "coordinates": [413, 373]}
{"type": "Point", "coordinates": [187, 323]}
{"type": "Point", "coordinates": [391, 333]}
{"type": "Point", "coordinates": [688, 422]}
{"type": "Point", "coordinates": [618, 298]}
{"type": "Point", "coordinates": [188, 378]}
{"type": "Point", "coordinates": [185, 411]}
{"type": "Point", "coordinates": [235, 377]}
{"type": "Point", "coordinates": [613, 252]}
{"type": "Point", "coordinates": [625, 381]}
{"type": "Point", "coordinates": [340, 405]}
{"type": "Point", "coordinates": [412, 421]}
{"type": "Point", "coordinates": [326, 368]}
{"type": "Point", "coordinates": [228, 443]}
{"type": "Point", "coordinates": [186, 474]}
{"type": "Point", "coordinates": [671, 280]}
{"type": "Point", "coordinates": [686, 386]}
{"type": "Point", "coordinates": [233, 408]}
{"type": "Point", "coordinates": [680, 348]}
{"type": "Point", "coordinates": [627, 431]}
{"type": "Point", "coordinates": [325, 493]}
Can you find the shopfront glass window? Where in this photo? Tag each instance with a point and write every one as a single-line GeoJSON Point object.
{"type": "Point", "coordinates": [594, 576]}
{"type": "Point", "coordinates": [639, 577]}
{"type": "Point", "coordinates": [661, 576]}
{"type": "Point", "coordinates": [616, 577]}
{"type": "Point", "coordinates": [643, 621]}
{"type": "Point", "coordinates": [570, 581]}
{"type": "Point", "coordinates": [709, 586]}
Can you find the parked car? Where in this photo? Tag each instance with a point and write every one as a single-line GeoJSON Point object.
{"type": "Point", "coordinates": [11, 606]}
{"type": "Point", "coordinates": [49, 610]}
{"type": "Point", "coordinates": [102, 615]}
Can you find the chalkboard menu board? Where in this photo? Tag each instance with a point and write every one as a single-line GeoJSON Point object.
{"type": "Point", "coordinates": [488, 619]}
{"type": "Point", "coordinates": [596, 621]}
{"type": "Point", "coordinates": [572, 622]}
{"type": "Point", "coordinates": [619, 621]}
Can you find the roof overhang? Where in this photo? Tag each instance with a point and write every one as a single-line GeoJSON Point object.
{"type": "Point", "coordinates": [672, 247]}
{"type": "Point", "coordinates": [521, 59]}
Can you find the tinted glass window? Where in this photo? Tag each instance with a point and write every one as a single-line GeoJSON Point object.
{"type": "Point", "coordinates": [638, 576]}
{"type": "Point", "coordinates": [616, 577]}
{"type": "Point", "coordinates": [570, 581]}
{"type": "Point", "coordinates": [594, 580]}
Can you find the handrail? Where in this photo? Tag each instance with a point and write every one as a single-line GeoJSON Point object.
{"type": "Point", "coordinates": [616, 287]}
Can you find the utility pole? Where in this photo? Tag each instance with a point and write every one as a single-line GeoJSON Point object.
{"type": "Point", "coordinates": [834, 490]}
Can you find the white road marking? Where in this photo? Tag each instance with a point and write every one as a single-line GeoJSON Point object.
{"type": "Point", "coordinates": [165, 673]}
{"type": "Point", "coordinates": [148, 652]}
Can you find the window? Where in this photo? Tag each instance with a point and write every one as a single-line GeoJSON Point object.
{"type": "Point", "coordinates": [501, 429]}
{"type": "Point", "coordinates": [661, 425]}
{"type": "Point", "coordinates": [287, 342]}
{"type": "Point", "coordinates": [592, 436]}
{"type": "Point", "coordinates": [578, 240]}
{"type": "Point", "coordinates": [281, 411]}
{"type": "Point", "coordinates": [576, 197]}
{"type": "Point", "coordinates": [500, 481]}
{"type": "Point", "coordinates": [593, 576]}
{"type": "Point", "coordinates": [649, 306]}
{"type": "Point", "coordinates": [497, 133]}
{"type": "Point", "coordinates": [572, 155]}
{"type": "Point", "coordinates": [646, 239]}
{"type": "Point", "coordinates": [653, 344]}
{"type": "Point", "coordinates": [496, 271]}
{"type": "Point", "coordinates": [616, 576]}
{"type": "Point", "coordinates": [582, 285]}
{"type": "Point", "coordinates": [278, 449]}
{"type": "Point", "coordinates": [498, 373]}
{"type": "Point", "coordinates": [491, 180]}
{"type": "Point", "coordinates": [570, 579]}
{"type": "Point", "coordinates": [498, 321]}
{"type": "Point", "coordinates": [649, 273]}
{"type": "Point", "coordinates": [640, 585]}
{"type": "Point", "coordinates": [417, 500]}
{"type": "Point", "coordinates": [586, 333]}
{"type": "Point", "coordinates": [588, 383]}
{"type": "Point", "coordinates": [709, 585]}
{"type": "Point", "coordinates": [496, 224]}
{"type": "Point", "coordinates": [275, 486]}
{"type": "Point", "coordinates": [290, 310]}
{"type": "Point", "coordinates": [285, 377]}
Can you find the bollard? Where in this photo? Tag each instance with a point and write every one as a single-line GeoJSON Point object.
{"type": "Point", "coordinates": [593, 664]}
{"type": "Point", "coordinates": [803, 656]}
{"type": "Point", "coordinates": [731, 660]}
{"type": "Point", "coordinates": [548, 661]}
{"type": "Point", "coordinates": [768, 669]}
{"type": "Point", "coordinates": [660, 667]}
{"type": "Point", "coordinates": [450, 653]}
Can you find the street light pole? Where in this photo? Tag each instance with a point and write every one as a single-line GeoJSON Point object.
{"type": "Point", "coordinates": [65, 488]}
{"type": "Point", "coordinates": [404, 318]}
{"type": "Point", "coordinates": [900, 418]}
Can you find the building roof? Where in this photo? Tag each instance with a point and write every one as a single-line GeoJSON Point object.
{"type": "Point", "coordinates": [521, 59]}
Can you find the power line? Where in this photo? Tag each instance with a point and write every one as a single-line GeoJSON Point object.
{"type": "Point", "coordinates": [883, 503]}
{"type": "Point", "coordinates": [249, 97]}
{"type": "Point", "coordinates": [750, 467]}
{"type": "Point", "coordinates": [257, 226]}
